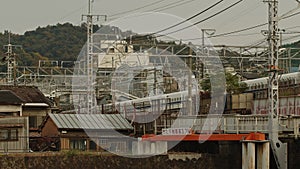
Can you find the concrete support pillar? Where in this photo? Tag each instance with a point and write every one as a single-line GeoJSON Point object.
{"type": "Point", "coordinates": [263, 157]}
{"type": "Point", "coordinates": [135, 148]}
{"type": "Point", "coordinates": [250, 157]}
{"type": "Point", "coordinates": [147, 147]}
{"type": "Point", "coordinates": [161, 147]}
{"type": "Point", "coordinates": [153, 148]}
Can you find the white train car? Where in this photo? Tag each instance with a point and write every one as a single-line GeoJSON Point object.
{"type": "Point", "coordinates": [262, 83]}
{"type": "Point", "coordinates": [289, 96]}
{"type": "Point", "coordinates": [287, 106]}
{"type": "Point", "coordinates": [158, 103]}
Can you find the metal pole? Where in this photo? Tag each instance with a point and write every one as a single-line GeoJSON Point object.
{"type": "Point", "coordinates": [90, 88]}
{"type": "Point", "coordinates": [91, 96]}
{"type": "Point", "coordinates": [279, 149]}
{"type": "Point", "coordinates": [190, 84]}
{"type": "Point", "coordinates": [11, 62]}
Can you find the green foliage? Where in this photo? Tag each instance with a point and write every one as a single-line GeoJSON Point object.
{"type": "Point", "coordinates": [57, 42]}
{"type": "Point", "coordinates": [71, 153]}
{"type": "Point", "coordinates": [232, 84]}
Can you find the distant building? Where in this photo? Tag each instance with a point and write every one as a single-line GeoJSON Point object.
{"type": "Point", "coordinates": [68, 132]}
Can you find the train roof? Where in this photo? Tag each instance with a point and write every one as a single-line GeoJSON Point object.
{"type": "Point", "coordinates": [294, 77]}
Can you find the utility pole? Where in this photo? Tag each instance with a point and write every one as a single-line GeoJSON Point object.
{"type": "Point", "coordinates": [11, 62]}
{"type": "Point", "coordinates": [209, 32]}
{"type": "Point", "coordinates": [91, 95]}
{"type": "Point", "coordinates": [190, 85]}
{"type": "Point", "coordinates": [199, 66]}
{"type": "Point", "coordinates": [279, 149]}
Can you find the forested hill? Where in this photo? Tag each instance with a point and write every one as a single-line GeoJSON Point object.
{"type": "Point", "coordinates": [57, 42]}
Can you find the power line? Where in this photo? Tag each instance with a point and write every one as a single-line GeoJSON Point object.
{"type": "Point", "coordinates": [293, 27]}
{"type": "Point", "coordinates": [291, 37]}
{"type": "Point", "coordinates": [169, 6]}
{"type": "Point", "coordinates": [192, 17]}
{"type": "Point", "coordinates": [297, 13]}
{"type": "Point", "coordinates": [161, 8]}
{"type": "Point", "coordinates": [71, 13]}
{"type": "Point", "coordinates": [250, 9]}
{"type": "Point", "coordinates": [255, 44]}
{"type": "Point", "coordinates": [227, 33]}
{"type": "Point", "coordinates": [252, 27]}
{"type": "Point", "coordinates": [135, 9]}
{"type": "Point", "coordinates": [223, 10]}
{"type": "Point", "coordinates": [248, 28]}
{"type": "Point", "coordinates": [238, 31]}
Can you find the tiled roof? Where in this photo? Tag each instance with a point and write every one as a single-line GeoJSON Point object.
{"type": "Point", "coordinates": [8, 97]}
{"type": "Point", "coordinates": [29, 94]}
{"type": "Point", "coordinates": [90, 121]}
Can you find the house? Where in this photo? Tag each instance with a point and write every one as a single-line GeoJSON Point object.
{"type": "Point", "coordinates": [90, 132]}
{"type": "Point", "coordinates": [14, 132]}
{"type": "Point", "coordinates": [27, 101]}
{"type": "Point", "coordinates": [10, 104]}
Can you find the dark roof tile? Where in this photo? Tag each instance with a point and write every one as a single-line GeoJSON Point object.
{"type": "Point", "coordinates": [29, 94]}
{"type": "Point", "coordinates": [8, 97]}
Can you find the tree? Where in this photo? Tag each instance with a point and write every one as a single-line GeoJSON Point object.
{"type": "Point", "coordinates": [233, 85]}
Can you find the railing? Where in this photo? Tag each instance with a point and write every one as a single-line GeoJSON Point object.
{"type": "Point", "coordinates": [237, 124]}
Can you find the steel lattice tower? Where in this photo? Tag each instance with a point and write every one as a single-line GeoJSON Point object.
{"type": "Point", "coordinates": [90, 70]}
{"type": "Point", "coordinates": [279, 148]}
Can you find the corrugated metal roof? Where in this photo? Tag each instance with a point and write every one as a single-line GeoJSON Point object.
{"type": "Point", "coordinates": [90, 121]}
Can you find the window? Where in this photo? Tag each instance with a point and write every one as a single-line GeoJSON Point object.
{"type": "Point", "coordinates": [103, 141]}
{"type": "Point", "coordinates": [33, 121]}
{"type": "Point", "coordinates": [9, 134]}
{"type": "Point", "coordinates": [93, 145]}
{"type": "Point", "coordinates": [78, 144]}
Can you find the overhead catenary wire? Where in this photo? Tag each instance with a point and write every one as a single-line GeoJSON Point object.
{"type": "Point", "coordinates": [292, 27]}
{"type": "Point", "coordinates": [203, 20]}
{"type": "Point", "coordinates": [136, 9]}
{"type": "Point", "coordinates": [71, 13]}
{"type": "Point", "coordinates": [157, 9]}
{"type": "Point", "coordinates": [238, 31]}
{"type": "Point", "coordinates": [209, 17]}
{"type": "Point", "coordinates": [291, 37]}
{"type": "Point", "coordinates": [247, 28]}
{"type": "Point", "coordinates": [252, 27]}
{"type": "Point", "coordinates": [261, 41]}
{"type": "Point", "coordinates": [190, 18]}
{"type": "Point", "coordinates": [186, 20]}
{"type": "Point", "coordinates": [228, 33]}
{"type": "Point", "coordinates": [166, 7]}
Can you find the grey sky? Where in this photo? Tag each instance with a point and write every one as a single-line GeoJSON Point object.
{"type": "Point", "coordinates": [25, 15]}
